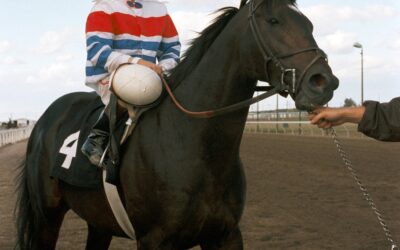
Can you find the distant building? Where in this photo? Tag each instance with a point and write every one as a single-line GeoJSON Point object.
{"type": "Point", "coordinates": [23, 122]}
{"type": "Point", "coordinates": [18, 123]}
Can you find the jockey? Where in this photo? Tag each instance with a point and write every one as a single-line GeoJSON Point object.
{"type": "Point", "coordinates": [120, 32]}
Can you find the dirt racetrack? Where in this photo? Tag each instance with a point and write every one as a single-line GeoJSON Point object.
{"type": "Point", "coordinates": [299, 195]}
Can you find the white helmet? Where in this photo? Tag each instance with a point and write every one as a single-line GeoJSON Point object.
{"type": "Point", "coordinates": [136, 84]}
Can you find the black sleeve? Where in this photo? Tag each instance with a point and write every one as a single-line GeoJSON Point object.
{"type": "Point", "coordinates": [381, 120]}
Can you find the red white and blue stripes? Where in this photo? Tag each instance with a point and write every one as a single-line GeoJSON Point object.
{"type": "Point", "coordinates": [117, 34]}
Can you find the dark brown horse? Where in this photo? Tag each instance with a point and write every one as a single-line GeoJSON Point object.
{"type": "Point", "coordinates": [182, 180]}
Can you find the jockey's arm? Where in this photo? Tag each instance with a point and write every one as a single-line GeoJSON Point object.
{"type": "Point", "coordinates": [170, 48]}
{"type": "Point", "coordinates": [99, 42]}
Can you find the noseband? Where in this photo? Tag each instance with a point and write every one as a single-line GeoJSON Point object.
{"type": "Point", "coordinates": [270, 57]}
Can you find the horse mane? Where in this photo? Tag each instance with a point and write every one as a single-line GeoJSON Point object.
{"type": "Point", "coordinates": [201, 44]}
{"type": "Point", "coordinates": [292, 2]}
{"type": "Point", "coordinates": [244, 2]}
{"type": "Point", "coordinates": [205, 39]}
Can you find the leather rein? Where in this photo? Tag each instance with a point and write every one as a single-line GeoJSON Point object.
{"type": "Point", "coordinates": [290, 88]}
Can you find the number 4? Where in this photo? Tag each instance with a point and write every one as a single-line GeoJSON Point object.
{"type": "Point", "coordinates": [69, 151]}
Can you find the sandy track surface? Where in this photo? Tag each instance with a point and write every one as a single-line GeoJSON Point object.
{"type": "Point", "coordinates": [299, 195]}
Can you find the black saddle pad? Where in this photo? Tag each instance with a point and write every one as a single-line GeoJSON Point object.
{"type": "Point", "coordinates": [71, 166]}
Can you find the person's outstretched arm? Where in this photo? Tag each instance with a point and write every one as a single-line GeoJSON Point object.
{"type": "Point", "coordinates": [329, 117]}
{"type": "Point", "coordinates": [381, 120]}
{"type": "Point", "coordinates": [377, 120]}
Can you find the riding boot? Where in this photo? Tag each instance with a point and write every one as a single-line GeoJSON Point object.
{"type": "Point", "coordinates": [97, 140]}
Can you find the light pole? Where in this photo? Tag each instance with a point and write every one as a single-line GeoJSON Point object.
{"type": "Point", "coordinates": [359, 46]}
{"type": "Point", "coordinates": [258, 112]}
{"type": "Point", "coordinates": [277, 113]}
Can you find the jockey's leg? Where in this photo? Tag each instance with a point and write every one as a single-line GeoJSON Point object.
{"type": "Point", "coordinates": [97, 140]}
{"type": "Point", "coordinates": [99, 136]}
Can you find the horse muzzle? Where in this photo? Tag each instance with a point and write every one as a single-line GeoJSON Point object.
{"type": "Point", "coordinates": [317, 88]}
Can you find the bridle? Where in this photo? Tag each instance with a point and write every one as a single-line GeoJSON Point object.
{"type": "Point", "coordinates": [269, 56]}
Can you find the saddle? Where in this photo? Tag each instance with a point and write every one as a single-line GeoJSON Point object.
{"type": "Point", "coordinates": [120, 130]}
{"type": "Point", "coordinates": [71, 166]}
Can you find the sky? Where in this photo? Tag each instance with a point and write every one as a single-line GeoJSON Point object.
{"type": "Point", "coordinates": [43, 55]}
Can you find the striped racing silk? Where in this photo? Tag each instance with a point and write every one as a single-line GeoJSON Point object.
{"type": "Point", "coordinates": [117, 33]}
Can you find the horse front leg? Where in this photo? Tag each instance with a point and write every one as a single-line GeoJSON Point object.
{"type": "Point", "coordinates": [158, 239]}
{"type": "Point", "coordinates": [97, 239]}
{"type": "Point", "coordinates": [233, 241]}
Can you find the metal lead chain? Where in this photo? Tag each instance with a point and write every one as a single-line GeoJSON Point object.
{"type": "Point", "coordinates": [363, 189]}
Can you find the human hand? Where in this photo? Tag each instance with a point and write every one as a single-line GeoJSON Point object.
{"type": "Point", "coordinates": [329, 117]}
{"type": "Point", "coordinates": [151, 65]}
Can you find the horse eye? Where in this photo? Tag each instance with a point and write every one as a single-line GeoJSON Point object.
{"type": "Point", "coordinates": [273, 21]}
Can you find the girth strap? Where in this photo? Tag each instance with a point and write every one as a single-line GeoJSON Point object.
{"type": "Point", "coordinates": [118, 208]}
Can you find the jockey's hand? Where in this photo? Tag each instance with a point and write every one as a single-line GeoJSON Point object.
{"type": "Point", "coordinates": [329, 117]}
{"type": "Point", "coordinates": [151, 65]}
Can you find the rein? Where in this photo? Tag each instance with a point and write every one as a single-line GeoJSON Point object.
{"type": "Point", "coordinates": [379, 215]}
{"type": "Point", "coordinates": [221, 111]}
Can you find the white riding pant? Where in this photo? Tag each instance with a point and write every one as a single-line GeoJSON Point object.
{"type": "Point", "coordinates": [104, 92]}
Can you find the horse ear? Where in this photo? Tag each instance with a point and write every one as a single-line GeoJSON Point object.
{"type": "Point", "coordinates": [243, 3]}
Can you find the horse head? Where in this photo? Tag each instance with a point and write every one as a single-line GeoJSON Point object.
{"type": "Point", "coordinates": [291, 60]}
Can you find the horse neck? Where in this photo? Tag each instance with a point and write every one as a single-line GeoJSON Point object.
{"type": "Point", "coordinates": [217, 82]}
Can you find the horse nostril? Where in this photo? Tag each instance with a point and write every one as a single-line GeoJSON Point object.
{"type": "Point", "coordinates": [318, 80]}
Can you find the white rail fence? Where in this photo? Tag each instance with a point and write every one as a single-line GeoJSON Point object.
{"type": "Point", "coordinates": [303, 128]}
{"type": "Point", "coordinates": [11, 136]}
